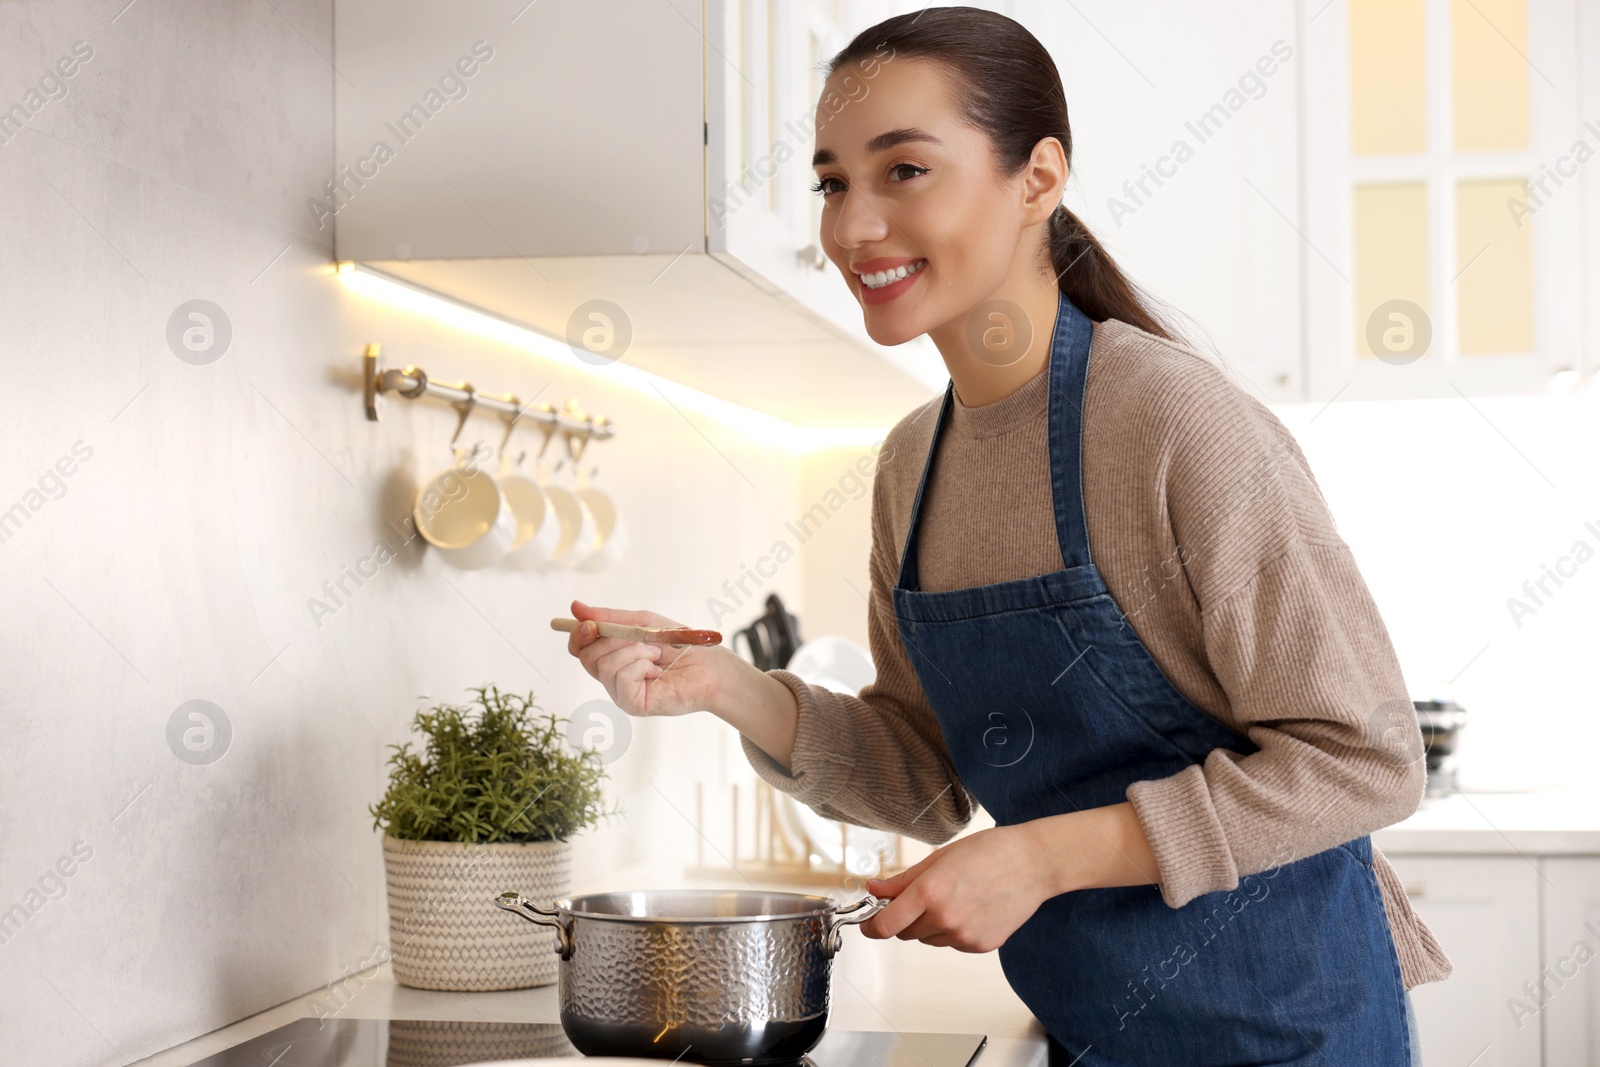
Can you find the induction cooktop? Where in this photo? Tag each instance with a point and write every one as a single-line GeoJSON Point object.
{"type": "Point", "coordinates": [417, 1043]}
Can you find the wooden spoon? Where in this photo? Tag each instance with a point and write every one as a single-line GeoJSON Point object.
{"type": "Point", "coordinates": [680, 635]}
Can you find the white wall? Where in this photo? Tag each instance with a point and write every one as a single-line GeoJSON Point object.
{"type": "Point", "coordinates": [1450, 506]}
{"type": "Point", "coordinates": [1215, 239]}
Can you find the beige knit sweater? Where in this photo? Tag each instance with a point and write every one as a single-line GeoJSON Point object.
{"type": "Point", "coordinates": [1213, 538]}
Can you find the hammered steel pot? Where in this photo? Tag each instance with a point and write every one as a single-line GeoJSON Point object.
{"type": "Point", "coordinates": [713, 976]}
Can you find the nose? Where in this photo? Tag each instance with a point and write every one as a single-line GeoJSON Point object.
{"type": "Point", "coordinates": [859, 222]}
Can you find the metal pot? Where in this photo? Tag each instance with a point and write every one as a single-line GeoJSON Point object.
{"type": "Point", "coordinates": [717, 977]}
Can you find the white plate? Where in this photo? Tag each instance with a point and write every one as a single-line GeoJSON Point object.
{"type": "Point", "coordinates": [834, 657]}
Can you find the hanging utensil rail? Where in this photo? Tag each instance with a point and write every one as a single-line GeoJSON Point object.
{"type": "Point", "coordinates": [413, 382]}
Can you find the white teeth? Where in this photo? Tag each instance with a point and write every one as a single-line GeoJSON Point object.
{"type": "Point", "coordinates": [881, 278]}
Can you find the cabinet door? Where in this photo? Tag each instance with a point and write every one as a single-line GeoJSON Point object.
{"type": "Point", "coordinates": [764, 75]}
{"type": "Point", "coordinates": [1485, 912]}
{"type": "Point", "coordinates": [1443, 230]}
{"type": "Point", "coordinates": [577, 132]}
{"type": "Point", "coordinates": [1571, 973]}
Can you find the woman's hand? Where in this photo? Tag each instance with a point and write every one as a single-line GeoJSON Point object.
{"type": "Point", "coordinates": [971, 894]}
{"type": "Point", "coordinates": [975, 892]}
{"type": "Point", "coordinates": [641, 678]}
{"type": "Point", "coordinates": [646, 679]}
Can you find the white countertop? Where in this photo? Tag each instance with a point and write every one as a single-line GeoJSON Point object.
{"type": "Point", "coordinates": [1556, 822]}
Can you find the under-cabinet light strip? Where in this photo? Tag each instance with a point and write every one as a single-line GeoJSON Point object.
{"type": "Point", "coordinates": [451, 312]}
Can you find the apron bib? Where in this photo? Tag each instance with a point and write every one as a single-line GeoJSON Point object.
{"type": "Point", "coordinates": [1050, 703]}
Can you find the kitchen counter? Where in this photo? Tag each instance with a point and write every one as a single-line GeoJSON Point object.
{"type": "Point", "coordinates": [1555, 822]}
{"type": "Point", "coordinates": [910, 987]}
{"type": "Point", "coordinates": [891, 985]}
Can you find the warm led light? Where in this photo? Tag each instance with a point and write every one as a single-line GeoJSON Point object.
{"type": "Point", "coordinates": [769, 429]}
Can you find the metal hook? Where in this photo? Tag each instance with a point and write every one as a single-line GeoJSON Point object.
{"type": "Point", "coordinates": [465, 407]}
{"type": "Point", "coordinates": [577, 414]}
{"type": "Point", "coordinates": [549, 427]}
{"type": "Point", "coordinates": [511, 422]}
{"type": "Point", "coordinates": [583, 437]}
{"type": "Point", "coordinates": [597, 425]}
{"type": "Point", "coordinates": [477, 456]}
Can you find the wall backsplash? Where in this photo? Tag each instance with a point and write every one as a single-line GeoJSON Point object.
{"type": "Point", "coordinates": [180, 514]}
{"type": "Point", "coordinates": [1454, 510]}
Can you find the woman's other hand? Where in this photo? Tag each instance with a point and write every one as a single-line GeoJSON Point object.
{"type": "Point", "coordinates": [971, 894]}
{"type": "Point", "coordinates": [975, 892]}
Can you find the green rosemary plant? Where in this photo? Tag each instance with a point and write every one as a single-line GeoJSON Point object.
{"type": "Point", "coordinates": [493, 771]}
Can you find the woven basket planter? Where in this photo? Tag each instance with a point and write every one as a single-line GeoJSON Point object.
{"type": "Point", "coordinates": [444, 930]}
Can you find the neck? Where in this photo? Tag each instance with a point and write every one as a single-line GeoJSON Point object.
{"type": "Point", "coordinates": [983, 375]}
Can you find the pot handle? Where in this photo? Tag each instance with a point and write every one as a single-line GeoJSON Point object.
{"type": "Point", "coordinates": [518, 904]}
{"type": "Point", "coordinates": [850, 915]}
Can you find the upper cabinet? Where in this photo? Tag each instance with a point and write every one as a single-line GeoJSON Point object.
{"type": "Point", "coordinates": [1444, 225]}
{"type": "Point", "coordinates": [555, 161]}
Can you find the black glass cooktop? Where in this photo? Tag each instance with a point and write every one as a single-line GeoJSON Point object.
{"type": "Point", "coordinates": [408, 1043]}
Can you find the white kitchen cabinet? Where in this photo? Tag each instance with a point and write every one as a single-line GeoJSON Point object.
{"type": "Point", "coordinates": [1571, 971]}
{"type": "Point", "coordinates": [1419, 224]}
{"type": "Point", "coordinates": [652, 155]}
{"type": "Point", "coordinates": [762, 219]}
{"type": "Point", "coordinates": [1485, 912]}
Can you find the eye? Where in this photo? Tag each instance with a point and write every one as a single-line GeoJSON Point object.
{"type": "Point", "coordinates": [823, 187]}
{"type": "Point", "coordinates": [901, 169]}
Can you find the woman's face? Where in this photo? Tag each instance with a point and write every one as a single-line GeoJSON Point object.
{"type": "Point", "coordinates": [909, 187]}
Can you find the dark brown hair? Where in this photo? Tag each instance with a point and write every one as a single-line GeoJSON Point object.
{"type": "Point", "coordinates": [1008, 87]}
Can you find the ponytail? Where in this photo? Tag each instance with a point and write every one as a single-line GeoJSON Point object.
{"type": "Point", "coordinates": [1091, 279]}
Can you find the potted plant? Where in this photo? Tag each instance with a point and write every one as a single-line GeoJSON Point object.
{"type": "Point", "coordinates": [489, 806]}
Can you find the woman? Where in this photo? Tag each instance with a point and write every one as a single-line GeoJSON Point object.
{"type": "Point", "coordinates": [1185, 736]}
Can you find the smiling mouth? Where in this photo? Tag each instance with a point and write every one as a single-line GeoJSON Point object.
{"type": "Point", "coordinates": [879, 279]}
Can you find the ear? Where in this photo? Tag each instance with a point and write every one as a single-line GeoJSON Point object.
{"type": "Point", "coordinates": [1044, 180]}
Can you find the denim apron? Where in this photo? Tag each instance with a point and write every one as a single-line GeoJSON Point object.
{"type": "Point", "coordinates": [1049, 703]}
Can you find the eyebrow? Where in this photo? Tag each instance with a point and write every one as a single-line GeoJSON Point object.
{"type": "Point", "coordinates": [880, 143]}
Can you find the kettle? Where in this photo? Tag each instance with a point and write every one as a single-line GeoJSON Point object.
{"type": "Point", "coordinates": [772, 638]}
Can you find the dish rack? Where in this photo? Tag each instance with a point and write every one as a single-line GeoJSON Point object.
{"type": "Point", "coordinates": [783, 853]}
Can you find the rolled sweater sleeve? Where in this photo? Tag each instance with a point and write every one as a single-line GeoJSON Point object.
{"type": "Point", "coordinates": [877, 759]}
{"type": "Point", "coordinates": [1294, 639]}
